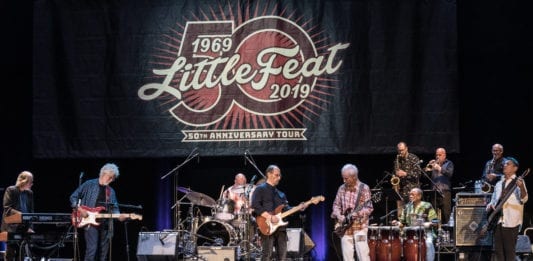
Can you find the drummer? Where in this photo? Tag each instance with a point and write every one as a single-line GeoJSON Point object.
{"type": "Point", "coordinates": [418, 213]}
{"type": "Point", "coordinates": [240, 193]}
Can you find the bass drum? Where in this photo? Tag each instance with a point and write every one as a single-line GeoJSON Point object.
{"type": "Point", "coordinates": [215, 233]}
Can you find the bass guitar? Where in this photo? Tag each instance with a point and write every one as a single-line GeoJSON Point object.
{"type": "Point", "coordinates": [79, 220]}
{"type": "Point", "coordinates": [493, 215]}
{"type": "Point", "coordinates": [267, 227]}
{"type": "Point", "coordinates": [340, 227]}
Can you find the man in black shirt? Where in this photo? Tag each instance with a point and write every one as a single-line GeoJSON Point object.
{"type": "Point", "coordinates": [267, 201]}
{"type": "Point", "coordinates": [17, 199]}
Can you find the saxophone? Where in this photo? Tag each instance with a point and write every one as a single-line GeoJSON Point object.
{"type": "Point", "coordinates": [395, 180]}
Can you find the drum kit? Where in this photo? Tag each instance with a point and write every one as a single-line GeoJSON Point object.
{"type": "Point", "coordinates": [224, 227]}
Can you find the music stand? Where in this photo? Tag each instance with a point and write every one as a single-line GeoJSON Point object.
{"type": "Point", "coordinates": [390, 194]}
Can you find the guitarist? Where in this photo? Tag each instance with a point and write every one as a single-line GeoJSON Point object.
{"type": "Point", "coordinates": [512, 211]}
{"type": "Point", "coordinates": [352, 208]}
{"type": "Point", "coordinates": [265, 199]}
{"type": "Point", "coordinates": [97, 193]}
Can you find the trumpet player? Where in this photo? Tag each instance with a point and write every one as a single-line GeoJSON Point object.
{"type": "Point", "coordinates": [441, 173]}
{"type": "Point", "coordinates": [493, 169]}
{"type": "Point", "coordinates": [407, 173]}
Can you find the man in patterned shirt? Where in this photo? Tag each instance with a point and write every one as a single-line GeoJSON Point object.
{"type": "Point", "coordinates": [407, 169]}
{"type": "Point", "coordinates": [352, 206]}
{"type": "Point", "coordinates": [418, 213]}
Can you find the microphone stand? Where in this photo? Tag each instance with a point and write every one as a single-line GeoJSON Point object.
{"type": "Point", "coordinates": [126, 228]}
{"type": "Point", "coordinates": [177, 211]}
{"type": "Point", "coordinates": [388, 214]}
{"type": "Point", "coordinates": [75, 223]}
{"type": "Point", "coordinates": [436, 188]}
{"type": "Point", "coordinates": [251, 161]}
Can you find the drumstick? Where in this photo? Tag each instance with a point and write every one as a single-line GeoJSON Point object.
{"type": "Point", "coordinates": [221, 191]}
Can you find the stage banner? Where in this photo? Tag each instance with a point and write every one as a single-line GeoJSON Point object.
{"type": "Point", "coordinates": [162, 78]}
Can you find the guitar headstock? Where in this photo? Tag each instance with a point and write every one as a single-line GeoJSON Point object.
{"type": "Point", "coordinates": [315, 200]}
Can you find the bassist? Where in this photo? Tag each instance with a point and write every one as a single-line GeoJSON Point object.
{"type": "Point", "coordinates": [352, 208]}
{"type": "Point", "coordinates": [510, 212]}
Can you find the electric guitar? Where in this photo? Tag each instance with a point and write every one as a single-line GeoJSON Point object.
{"type": "Point", "coordinates": [266, 227]}
{"type": "Point", "coordinates": [493, 215]}
{"type": "Point", "coordinates": [341, 227]}
{"type": "Point", "coordinates": [94, 213]}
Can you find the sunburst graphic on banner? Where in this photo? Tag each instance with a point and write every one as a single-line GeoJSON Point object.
{"type": "Point", "coordinates": [252, 67]}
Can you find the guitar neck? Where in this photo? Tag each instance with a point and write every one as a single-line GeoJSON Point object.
{"type": "Point", "coordinates": [107, 215]}
{"type": "Point", "coordinates": [293, 210]}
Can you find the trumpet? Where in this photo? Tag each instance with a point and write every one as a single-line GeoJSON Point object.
{"type": "Point", "coordinates": [429, 166]}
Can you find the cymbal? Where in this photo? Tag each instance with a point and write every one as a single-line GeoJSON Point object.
{"type": "Point", "coordinates": [184, 189]}
{"type": "Point", "coordinates": [200, 199]}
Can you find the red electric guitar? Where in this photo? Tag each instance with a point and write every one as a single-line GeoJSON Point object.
{"type": "Point", "coordinates": [94, 213]}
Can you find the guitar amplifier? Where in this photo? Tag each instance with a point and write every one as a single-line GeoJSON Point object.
{"type": "Point", "coordinates": [156, 246]}
{"type": "Point", "coordinates": [464, 199]}
{"type": "Point", "coordinates": [468, 223]}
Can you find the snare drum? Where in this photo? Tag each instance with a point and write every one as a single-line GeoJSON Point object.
{"type": "Point", "coordinates": [414, 245]}
{"type": "Point", "coordinates": [389, 246]}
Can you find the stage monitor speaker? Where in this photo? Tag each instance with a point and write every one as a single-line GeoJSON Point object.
{"type": "Point", "coordinates": [295, 242]}
{"type": "Point", "coordinates": [155, 246]}
{"type": "Point", "coordinates": [298, 242]}
{"type": "Point", "coordinates": [468, 222]}
{"type": "Point", "coordinates": [308, 243]}
{"type": "Point", "coordinates": [217, 253]}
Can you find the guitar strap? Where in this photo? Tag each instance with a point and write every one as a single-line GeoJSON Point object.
{"type": "Point", "coordinates": [358, 195]}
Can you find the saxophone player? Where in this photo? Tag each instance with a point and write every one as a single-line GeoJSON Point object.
{"type": "Point", "coordinates": [493, 169]}
{"type": "Point", "coordinates": [407, 169]}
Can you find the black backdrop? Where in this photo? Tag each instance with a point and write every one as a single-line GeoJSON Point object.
{"type": "Point", "coordinates": [495, 64]}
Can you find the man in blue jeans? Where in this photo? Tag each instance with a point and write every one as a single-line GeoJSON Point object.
{"type": "Point", "coordinates": [93, 196]}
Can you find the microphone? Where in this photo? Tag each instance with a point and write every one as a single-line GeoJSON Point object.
{"type": "Point", "coordinates": [245, 157]}
{"type": "Point", "coordinates": [253, 179]}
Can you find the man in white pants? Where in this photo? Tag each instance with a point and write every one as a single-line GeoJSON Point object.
{"type": "Point", "coordinates": [352, 208]}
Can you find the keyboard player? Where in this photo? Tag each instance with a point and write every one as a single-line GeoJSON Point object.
{"type": "Point", "coordinates": [17, 199]}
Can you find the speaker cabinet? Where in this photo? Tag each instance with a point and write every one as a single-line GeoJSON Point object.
{"type": "Point", "coordinates": [295, 242]}
{"type": "Point", "coordinates": [155, 246]}
{"type": "Point", "coordinates": [214, 253]}
{"type": "Point", "coordinates": [468, 222]}
{"type": "Point", "coordinates": [298, 242]}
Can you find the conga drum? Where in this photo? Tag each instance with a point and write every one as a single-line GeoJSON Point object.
{"type": "Point", "coordinates": [389, 246]}
{"type": "Point", "coordinates": [373, 235]}
{"type": "Point", "coordinates": [414, 245]}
